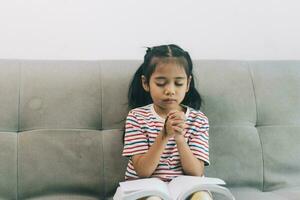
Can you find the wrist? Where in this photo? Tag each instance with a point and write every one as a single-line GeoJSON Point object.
{"type": "Point", "coordinates": [179, 139]}
{"type": "Point", "coordinates": [164, 134]}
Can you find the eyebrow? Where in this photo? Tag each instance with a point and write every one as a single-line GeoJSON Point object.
{"type": "Point", "coordinates": [163, 78]}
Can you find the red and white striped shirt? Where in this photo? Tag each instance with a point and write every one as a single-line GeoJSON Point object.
{"type": "Point", "coordinates": [142, 127]}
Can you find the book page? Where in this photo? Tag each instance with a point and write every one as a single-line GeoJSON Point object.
{"type": "Point", "coordinates": [144, 184]}
{"type": "Point", "coordinates": [220, 190]}
{"type": "Point", "coordinates": [120, 195]}
{"type": "Point", "coordinates": [182, 184]}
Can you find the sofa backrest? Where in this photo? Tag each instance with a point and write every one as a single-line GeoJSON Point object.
{"type": "Point", "coordinates": [277, 93]}
{"type": "Point", "coordinates": [61, 121]}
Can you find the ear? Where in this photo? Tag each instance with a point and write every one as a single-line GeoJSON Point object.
{"type": "Point", "coordinates": [188, 83]}
{"type": "Point", "coordinates": [145, 83]}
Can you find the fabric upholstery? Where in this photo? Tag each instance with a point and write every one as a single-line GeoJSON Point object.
{"type": "Point", "coordinates": [60, 94]}
{"type": "Point", "coordinates": [8, 165]}
{"type": "Point", "coordinates": [116, 76]}
{"type": "Point", "coordinates": [277, 87]}
{"type": "Point", "coordinates": [60, 161]}
{"type": "Point", "coordinates": [9, 93]}
{"type": "Point", "coordinates": [115, 164]}
{"type": "Point", "coordinates": [9, 117]}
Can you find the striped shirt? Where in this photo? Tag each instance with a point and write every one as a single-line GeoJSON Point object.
{"type": "Point", "coordinates": [142, 127]}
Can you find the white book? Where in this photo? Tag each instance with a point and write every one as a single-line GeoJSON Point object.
{"type": "Point", "coordinates": [179, 188]}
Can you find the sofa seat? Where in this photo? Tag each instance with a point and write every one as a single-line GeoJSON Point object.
{"type": "Point", "coordinates": [247, 193]}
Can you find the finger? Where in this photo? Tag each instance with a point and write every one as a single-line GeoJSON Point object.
{"type": "Point", "coordinates": [185, 126]}
{"type": "Point", "coordinates": [178, 115]}
{"type": "Point", "coordinates": [177, 123]}
{"type": "Point", "coordinates": [176, 112]}
{"type": "Point", "coordinates": [172, 115]}
{"type": "Point", "coordinates": [178, 130]}
{"type": "Point", "coordinates": [178, 119]}
{"type": "Point", "coordinates": [182, 115]}
{"type": "Point", "coordinates": [172, 112]}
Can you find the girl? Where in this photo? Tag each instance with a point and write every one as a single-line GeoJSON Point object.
{"type": "Point", "coordinates": [165, 133]}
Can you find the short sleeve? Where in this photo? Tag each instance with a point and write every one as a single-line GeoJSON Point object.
{"type": "Point", "coordinates": [199, 138]}
{"type": "Point", "coordinates": [135, 141]}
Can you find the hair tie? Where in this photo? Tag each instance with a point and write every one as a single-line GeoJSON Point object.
{"type": "Point", "coordinates": [148, 49]}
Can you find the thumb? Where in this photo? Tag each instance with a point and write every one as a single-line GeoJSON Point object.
{"type": "Point", "coordinates": [172, 112]}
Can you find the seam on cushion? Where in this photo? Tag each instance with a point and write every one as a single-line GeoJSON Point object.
{"type": "Point", "coordinates": [17, 194]}
{"type": "Point", "coordinates": [102, 179]}
{"type": "Point", "coordinates": [18, 131]}
{"type": "Point", "coordinates": [256, 111]}
{"type": "Point", "coordinates": [101, 96]}
{"type": "Point", "coordinates": [103, 168]}
{"type": "Point", "coordinates": [19, 93]}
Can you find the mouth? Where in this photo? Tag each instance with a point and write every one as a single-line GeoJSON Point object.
{"type": "Point", "coordinates": [169, 101]}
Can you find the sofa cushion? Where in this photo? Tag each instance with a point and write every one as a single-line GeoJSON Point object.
{"type": "Point", "coordinates": [8, 165]}
{"type": "Point", "coordinates": [114, 163]}
{"type": "Point", "coordinates": [65, 197]}
{"type": "Point", "coordinates": [52, 162]}
{"type": "Point", "coordinates": [9, 93]}
{"type": "Point", "coordinates": [277, 91]}
{"type": "Point", "coordinates": [116, 76]}
{"type": "Point", "coordinates": [60, 94]}
{"type": "Point", "coordinates": [248, 193]}
{"type": "Point", "coordinates": [239, 165]}
{"type": "Point", "coordinates": [281, 156]}
{"type": "Point", "coordinates": [290, 193]}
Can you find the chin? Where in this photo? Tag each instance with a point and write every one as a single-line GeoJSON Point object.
{"type": "Point", "coordinates": [172, 106]}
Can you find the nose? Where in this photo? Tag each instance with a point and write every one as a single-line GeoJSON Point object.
{"type": "Point", "coordinates": [169, 91]}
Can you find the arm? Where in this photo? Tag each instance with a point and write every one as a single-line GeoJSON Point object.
{"type": "Point", "coordinates": [145, 164]}
{"type": "Point", "coordinates": [145, 159]}
{"type": "Point", "coordinates": [190, 163]}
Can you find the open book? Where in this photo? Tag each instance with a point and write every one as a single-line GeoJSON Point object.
{"type": "Point", "coordinates": [179, 188]}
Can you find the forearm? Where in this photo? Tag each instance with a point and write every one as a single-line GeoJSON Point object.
{"type": "Point", "coordinates": [190, 163]}
{"type": "Point", "coordinates": [145, 164]}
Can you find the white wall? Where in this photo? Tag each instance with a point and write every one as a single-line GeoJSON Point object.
{"type": "Point", "coordinates": [119, 29]}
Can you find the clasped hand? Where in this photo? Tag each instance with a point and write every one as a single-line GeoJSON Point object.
{"type": "Point", "coordinates": [175, 124]}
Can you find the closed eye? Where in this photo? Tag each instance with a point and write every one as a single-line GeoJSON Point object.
{"type": "Point", "coordinates": [163, 84]}
{"type": "Point", "coordinates": [179, 84]}
{"type": "Point", "coordinates": [160, 84]}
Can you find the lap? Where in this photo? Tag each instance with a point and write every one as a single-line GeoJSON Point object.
{"type": "Point", "coordinates": [201, 195]}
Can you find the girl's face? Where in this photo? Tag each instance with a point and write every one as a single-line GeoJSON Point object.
{"type": "Point", "coordinates": [167, 86]}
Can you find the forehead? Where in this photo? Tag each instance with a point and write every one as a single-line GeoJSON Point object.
{"type": "Point", "coordinates": [169, 70]}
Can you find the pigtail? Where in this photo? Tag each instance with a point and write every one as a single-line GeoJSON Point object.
{"type": "Point", "coordinates": [137, 96]}
{"type": "Point", "coordinates": [192, 98]}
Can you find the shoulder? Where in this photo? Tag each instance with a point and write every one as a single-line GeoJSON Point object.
{"type": "Point", "coordinates": [140, 112]}
{"type": "Point", "coordinates": [197, 116]}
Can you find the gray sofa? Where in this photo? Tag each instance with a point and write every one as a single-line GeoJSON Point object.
{"type": "Point", "coordinates": [60, 124]}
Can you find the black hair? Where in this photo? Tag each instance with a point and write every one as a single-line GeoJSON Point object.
{"type": "Point", "coordinates": [138, 97]}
